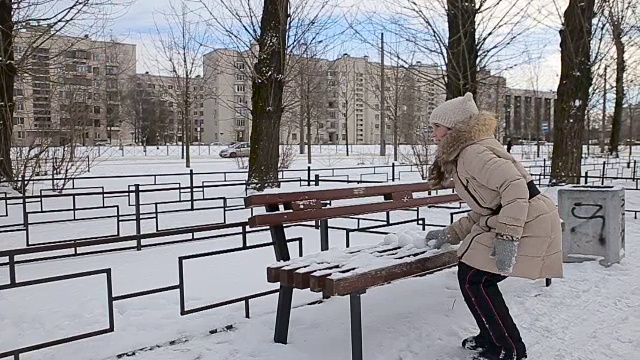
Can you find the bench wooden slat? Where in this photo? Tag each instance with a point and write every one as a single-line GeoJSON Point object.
{"type": "Point", "coordinates": [349, 210]}
{"type": "Point", "coordinates": [318, 283]}
{"type": "Point", "coordinates": [333, 194]}
{"type": "Point", "coordinates": [362, 281]}
{"type": "Point", "coordinates": [301, 278]}
{"type": "Point", "coordinates": [298, 275]}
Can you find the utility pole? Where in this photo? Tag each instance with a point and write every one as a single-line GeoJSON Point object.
{"type": "Point", "coordinates": [383, 126]}
{"type": "Point", "coordinates": [346, 111]}
{"type": "Point", "coordinates": [308, 116]}
{"type": "Point", "coordinates": [604, 112]}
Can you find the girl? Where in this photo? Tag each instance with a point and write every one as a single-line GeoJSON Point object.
{"type": "Point", "coordinates": [512, 229]}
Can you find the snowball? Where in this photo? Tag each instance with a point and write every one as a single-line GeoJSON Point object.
{"type": "Point", "coordinates": [420, 242]}
{"type": "Point", "coordinates": [404, 240]}
{"type": "Point", "coordinates": [422, 234]}
{"type": "Point", "coordinates": [391, 239]}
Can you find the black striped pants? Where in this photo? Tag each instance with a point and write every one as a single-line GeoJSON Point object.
{"type": "Point", "coordinates": [484, 299]}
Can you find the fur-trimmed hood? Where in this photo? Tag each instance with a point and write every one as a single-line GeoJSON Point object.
{"type": "Point", "coordinates": [480, 127]}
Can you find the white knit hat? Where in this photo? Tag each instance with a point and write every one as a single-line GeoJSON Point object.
{"type": "Point", "coordinates": [454, 111]}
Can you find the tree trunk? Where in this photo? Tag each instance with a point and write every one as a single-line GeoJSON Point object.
{"type": "Point", "coordinates": [7, 74]}
{"type": "Point", "coordinates": [616, 123]}
{"type": "Point", "coordinates": [346, 130]}
{"type": "Point", "coordinates": [462, 53]}
{"type": "Point", "coordinates": [573, 91]}
{"type": "Point", "coordinates": [266, 97]}
{"type": "Point", "coordinates": [308, 116]}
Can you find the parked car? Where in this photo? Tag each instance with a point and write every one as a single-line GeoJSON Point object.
{"type": "Point", "coordinates": [240, 149]}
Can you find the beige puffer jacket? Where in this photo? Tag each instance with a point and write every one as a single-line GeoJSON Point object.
{"type": "Point", "coordinates": [487, 177]}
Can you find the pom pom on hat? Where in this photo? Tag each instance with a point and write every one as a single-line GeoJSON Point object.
{"type": "Point", "coordinates": [454, 111]}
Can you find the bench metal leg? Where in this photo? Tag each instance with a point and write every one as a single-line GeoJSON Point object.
{"type": "Point", "coordinates": [324, 235]}
{"type": "Point", "coordinates": [547, 282]}
{"type": "Point", "coordinates": [283, 314]}
{"type": "Point", "coordinates": [356, 326]}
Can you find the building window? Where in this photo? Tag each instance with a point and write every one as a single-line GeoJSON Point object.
{"type": "Point", "coordinates": [294, 137]}
{"type": "Point", "coordinates": [20, 106]}
{"type": "Point", "coordinates": [20, 134]}
{"type": "Point", "coordinates": [18, 121]}
{"type": "Point", "coordinates": [240, 65]}
{"type": "Point", "coordinates": [111, 70]}
{"type": "Point", "coordinates": [241, 77]}
{"type": "Point", "coordinates": [377, 126]}
{"type": "Point", "coordinates": [96, 109]}
{"type": "Point", "coordinates": [240, 88]}
{"type": "Point", "coordinates": [96, 123]}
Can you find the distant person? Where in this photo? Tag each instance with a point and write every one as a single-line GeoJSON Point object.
{"type": "Point", "coordinates": [509, 145]}
{"type": "Point", "coordinates": [512, 229]}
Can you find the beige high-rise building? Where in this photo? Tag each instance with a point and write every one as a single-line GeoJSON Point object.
{"type": "Point", "coordinates": [67, 89]}
{"type": "Point", "coordinates": [338, 99]}
{"type": "Point", "coordinates": [227, 76]}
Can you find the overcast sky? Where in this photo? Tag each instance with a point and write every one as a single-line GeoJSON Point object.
{"type": "Point", "coordinates": [539, 69]}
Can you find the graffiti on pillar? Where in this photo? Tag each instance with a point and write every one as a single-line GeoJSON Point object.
{"type": "Point", "coordinates": [589, 213]}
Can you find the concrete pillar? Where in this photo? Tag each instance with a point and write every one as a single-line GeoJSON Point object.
{"type": "Point", "coordinates": [593, 226]}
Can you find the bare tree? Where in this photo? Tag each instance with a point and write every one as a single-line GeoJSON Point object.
{"type": "Point", "coordinates": [347, 83]}
{"type": "Point", "coordinates": [148, 113]}
{"type": "Point", "coordinates": [181, 43]}
{"type": "Point", "coordinates": [307, 97]}
{"type": "Point", "coordinates": [400, 111]}
{"type": "Point", "coordinates": [622, 18]}
{"type": "Point", "coordinates": [464, 36]}
{"type": "Point", "coordinates": [573, 91]}
{"type": "Point", "coordinates": [54, 17]}
{"type": "Point", "coordinates": [284, 28]}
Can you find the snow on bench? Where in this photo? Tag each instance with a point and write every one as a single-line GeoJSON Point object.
{"type": "Point", "coordinates": [342, 272]}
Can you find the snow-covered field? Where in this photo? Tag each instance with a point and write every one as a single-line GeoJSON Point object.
{"type": "Point", "coordinates": [592, 313]}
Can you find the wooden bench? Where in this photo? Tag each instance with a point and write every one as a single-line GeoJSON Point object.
{"type": "Point", "coordinates": [342, 272]}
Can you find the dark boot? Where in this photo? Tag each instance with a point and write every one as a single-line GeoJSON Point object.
{"type": "Point", "coordinates": [476, 343]}
{"type": "Point", "coordinates": [498, 354]}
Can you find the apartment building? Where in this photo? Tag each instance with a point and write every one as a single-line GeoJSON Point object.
{"type": "Point", "coordinates": [67, 89]}
{"type": "Point", "coordinates": [155, 109]}
{"type": "Point", "coordinates": [338, 99]}
{"type": "Point", "coordinates": [528, 114]}
{"type": "Point", "coordinates": [227, 75]}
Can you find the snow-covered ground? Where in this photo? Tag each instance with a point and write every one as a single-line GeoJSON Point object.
{"type": "Point", "coordinates": [592, 313]}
